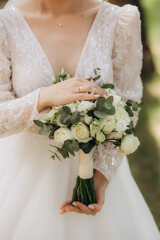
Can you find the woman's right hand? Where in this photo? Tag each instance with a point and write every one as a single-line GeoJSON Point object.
{"type": "Point", "coordinates": [67, 91]}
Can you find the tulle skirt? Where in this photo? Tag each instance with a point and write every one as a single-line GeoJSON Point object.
{"type": "Point", "coordinates": [33, 186]}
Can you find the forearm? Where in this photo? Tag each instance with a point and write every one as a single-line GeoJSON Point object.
{"type": "Point", "coordinates": [100, 180]}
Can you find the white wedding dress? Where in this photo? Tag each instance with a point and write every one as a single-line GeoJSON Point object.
{"type": "Point", "coordinates": [32, 185]}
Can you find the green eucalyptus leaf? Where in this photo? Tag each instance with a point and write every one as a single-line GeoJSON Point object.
{"type": "Point", "coordinates": [96, 78]}
{"type": "Point", "coordinates": [131, 125]}
{"type": "Point", "coordinates": [110, 99]}
{"type": "Point", "coordinates": [100, 103]}
{"type": "Point", "coordinates": [135, 106]}
{"type": "Point", "coordinates": [108, 106]}
{"type": "Point", "coordinates": [65, 154]}
{"type": "Point", "coordinates": [66, 110]}
{"type": "Point", "coordinates": [38, 123]}
{"type": "Point", "coordinates": [109, 111]}
{"type": "Point", "coordinates": [89, 147]}
{"type": "Point", "coordinates": [44, 130]}
{"type": "Point", "coordinates": [84, 145]}
{"type": "Point", "coordinates": [65, 119]}
{"type": "Point", "coordinates": [51, 135]}
{"type": "Point", "coordinates": [129, 102]}
{"type": "Point", "coordinates": [108, 85]}
{"type": "Point", "coordinates": [141, 104]}
{"type": "Point", "coordinates": [129, 110]}
{"type": "Point", "coordinates": [99, 114]}
{"type": "Point", "coordinates": [95, 71]}
{"type": "Point", "coordinates": [75, 117]}
{"type": "Point", "coordinates": [75, 145]}
{"type": "Point", "coordinates": [128, 131]}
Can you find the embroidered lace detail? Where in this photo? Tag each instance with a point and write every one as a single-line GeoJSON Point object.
{"type": "Point", "coordinates": [113, 44]}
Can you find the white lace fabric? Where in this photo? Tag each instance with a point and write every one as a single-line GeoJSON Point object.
{"type": "Point", "coordinates": [113, 44]}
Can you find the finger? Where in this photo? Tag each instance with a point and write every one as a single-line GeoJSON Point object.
{"type": "Point", "coordinates": [88, 78]}
{"type": "Point", "coordinates": [83, 208]}
{"type": "Point", "coordinates": [70, 208]}
{"type": "Point", "coordinates": [65, 204]}
{"type": "Point", "coordinates": [95, 207]}
{"type": "Point", "coordinates": [85, 96]}
{"type": "Point", "coordinates": [89, 87]}
{"type": "Point", "coordinates": [100, 89]}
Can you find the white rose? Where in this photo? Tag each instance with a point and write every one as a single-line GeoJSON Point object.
{"type": "Point", "coordinates": [85, 105]}
{"type": "Point", "coordinates": [80, 132]}
{"type": "Point", "coordinates": [100, 137]}
{"type": "Point", "coordinates": [50, 114]}
{"type": "Point", "coordinates": [62, 134]}
{"type": "Point", "coordinates": [94, 129]}
{"type": "Point", "coordinates": [121, 126]}
{"type": "Point", "coordinates": [122, 114]}
{"type": "Point", "coordinates": [116, 100]}
{"type": "Point", "coordinates": [129, 144]}
{"type": "Point", "coordinates": [107, 124]}
{"type": "Point", "coordinates": [87, 119]}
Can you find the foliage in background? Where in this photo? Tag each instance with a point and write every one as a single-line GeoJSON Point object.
{"type": "Point", "coordinates": [145, 163]}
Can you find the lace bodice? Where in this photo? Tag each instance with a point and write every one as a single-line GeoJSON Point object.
{"type": "Point", "coordinates": [113, 44]}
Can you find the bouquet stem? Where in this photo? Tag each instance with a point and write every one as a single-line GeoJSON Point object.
{"type": "Point", "coordinates": [84, 189]}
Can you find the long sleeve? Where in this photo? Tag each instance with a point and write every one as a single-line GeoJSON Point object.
{"type": "Point", "coordinates": [127, 64]}
{"type": "Point", "coordinates": [16, 114]}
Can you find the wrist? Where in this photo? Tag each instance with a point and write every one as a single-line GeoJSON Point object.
{"type": "Point", "coordinates": [43, 99]}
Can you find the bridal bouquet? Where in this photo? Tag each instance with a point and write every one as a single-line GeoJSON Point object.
{"type": "Point", "coordinates": [82, 125]}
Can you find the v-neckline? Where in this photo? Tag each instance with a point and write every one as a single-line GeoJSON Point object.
{"type": "Point", "coordinates": [42, 49]}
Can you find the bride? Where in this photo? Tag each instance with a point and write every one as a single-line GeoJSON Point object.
{"type": "Point", "coordinates": [37, 39]}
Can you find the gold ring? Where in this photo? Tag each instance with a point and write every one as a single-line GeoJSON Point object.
{"type": "Point", "coordinates": [80, 89]}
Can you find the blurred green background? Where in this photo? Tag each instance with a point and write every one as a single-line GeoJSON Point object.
{"type": "Point", "coordinates": [145, 163]}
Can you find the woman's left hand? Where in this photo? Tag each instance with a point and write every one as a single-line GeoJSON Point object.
{"type": "Point", "coordinates": [100, 184]}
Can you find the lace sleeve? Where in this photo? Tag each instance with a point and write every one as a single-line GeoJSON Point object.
{"type": "Point", "coordinates": [127, 64]}
{"type": "Point", "coordinates": [16, 114]}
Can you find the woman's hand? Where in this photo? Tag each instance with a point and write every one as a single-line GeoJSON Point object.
{"type": "Point", "coordinates": [68, 91]}
{"type": "Point", "coordinates": [100, 184]}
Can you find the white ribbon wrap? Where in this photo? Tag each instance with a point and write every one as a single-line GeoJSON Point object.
{"type": "Point", "coordinates": [85, 164]}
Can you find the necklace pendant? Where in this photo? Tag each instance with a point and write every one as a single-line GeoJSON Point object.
{"type": "Point", "coordinates": [60, 24]}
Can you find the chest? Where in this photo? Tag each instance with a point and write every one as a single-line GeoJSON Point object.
{"type": "Point", "coordinates": [38, 55]}
{"type": "Point", "coordinates": [62, 43]}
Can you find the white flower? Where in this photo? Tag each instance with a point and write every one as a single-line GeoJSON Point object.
{"type": "Point", "coordinates": [72, 106]}
{"type": "Point", "coordinates": [62, 134]}
{"type": "Point", "coordinates": [94, 129]}
{"type": "Point", "coordinates": [87, 119]}
{"type": "Point", "coordinates": [80, 132]}
{"type": "Point", "coordinates": [116, 100]}
{"type": "Point", "coordinates": [121, 126]}
{"type": "Point", "coordinates": [122, 119]}
{"type": "Point", "coordinates": [107, 124]}
{"type": "Point", "coordinates": [85, 105]}
{"type": "Point", "coordinates": [115, 135]}
{"type": "Point", "coordinates": [122, 114]}
{"type": "Point", "coordinates": [100, 137]}
{"type": "Point", "coordinates": [129, 144]}
{"type": "Point", "coordinates": [50, 114]}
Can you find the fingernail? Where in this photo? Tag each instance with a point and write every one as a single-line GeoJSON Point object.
{"type": "Point", "coordinates": [97, 95]}
{"type": "Point", "coordinates": [91, 206]}
{"type": "Point", "coordinates": [105, 96]}
{"type": "Point", "coordinates": [74, 204]}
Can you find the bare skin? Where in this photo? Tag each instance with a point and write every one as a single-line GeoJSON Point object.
{"type": "Point", "coordinates": [63, 47]}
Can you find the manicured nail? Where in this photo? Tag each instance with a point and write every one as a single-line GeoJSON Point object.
{"type": "Point", "coordinates": [74, 204]}
{"type": "Point", "coordinates": [91, 206]}
{"type": "Point", "coordinates": [97, 95]}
